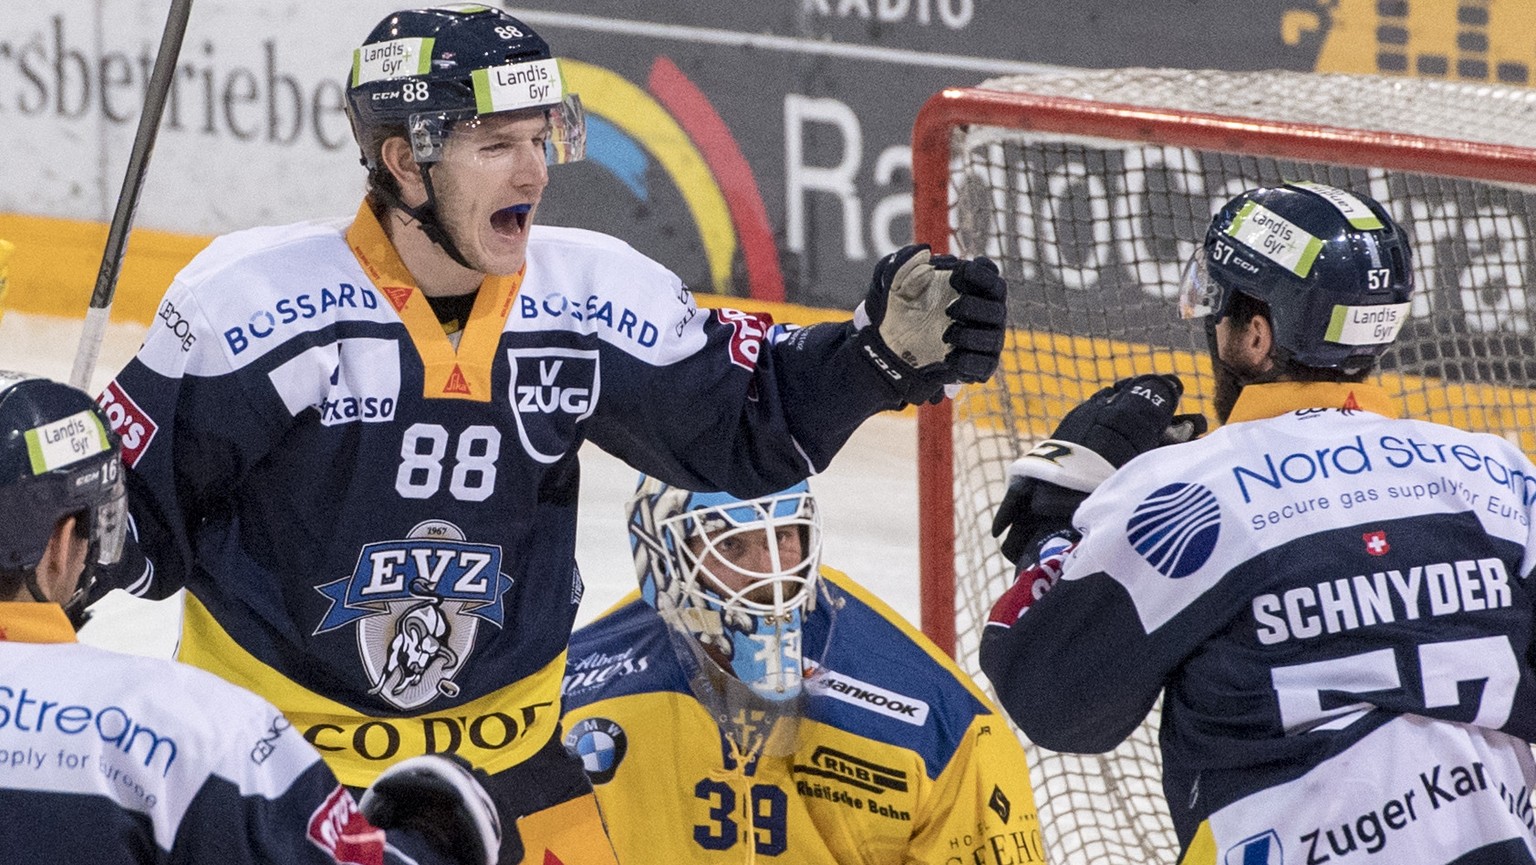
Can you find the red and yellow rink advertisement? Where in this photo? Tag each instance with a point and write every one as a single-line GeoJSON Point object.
{"type": "Point", "coordinates": [760, 150]}
{"type": "Point", "coordinates": [1461, 40]}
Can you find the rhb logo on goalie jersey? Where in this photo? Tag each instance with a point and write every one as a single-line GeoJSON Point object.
{"type": "Point", "coordinates": [417, 603]}
{"type": "Point", "coordinates": [552, 390]}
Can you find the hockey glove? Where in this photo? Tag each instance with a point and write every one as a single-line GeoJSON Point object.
{"type": "Point", "coordinates": [1033, 579]}
{"type": "Point", "coordinates": [440, 799]}
{"type": "Point", "coordinates": [931, 320]}
{"type": "Point", "coordinates": [1045, 486]}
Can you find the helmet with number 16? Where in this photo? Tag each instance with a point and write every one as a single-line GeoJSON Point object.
{"type": "Point", "coordinates": [58, 459]}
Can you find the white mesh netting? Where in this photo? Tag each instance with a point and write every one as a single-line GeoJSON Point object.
{"type": "Point", "coordinates": [1092, 234]}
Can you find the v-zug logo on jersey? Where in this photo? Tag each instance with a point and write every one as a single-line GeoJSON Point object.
{"type": "Point", "coordinates": [551, 390]}
{"type": "Point", "coordinates": [417, 603]}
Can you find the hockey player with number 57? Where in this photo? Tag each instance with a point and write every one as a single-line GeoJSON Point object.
{"type": "Point", "coordinates": [356, 444]}
{"type": "Point", "coordinates": [1335, 602]}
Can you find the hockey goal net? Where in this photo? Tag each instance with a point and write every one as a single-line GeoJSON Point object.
{"type": "Point", "coordinates": [1091, 188]}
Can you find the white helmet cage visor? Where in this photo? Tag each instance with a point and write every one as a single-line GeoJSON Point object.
{"type": "Point", "coordinates": [706, 542]}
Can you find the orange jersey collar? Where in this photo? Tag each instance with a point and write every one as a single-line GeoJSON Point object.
{"type": "Point", "coordinates": [29, 622]}
{"type": "Point", "coordinates": [1258, 401]}
{"type": "Point", "coordinates": [448, 372]}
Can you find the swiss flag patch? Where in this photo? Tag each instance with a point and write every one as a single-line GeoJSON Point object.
{"type": "Point", "coordinates": [1376, 543]}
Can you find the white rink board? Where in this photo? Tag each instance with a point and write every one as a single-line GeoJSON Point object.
{"type": "Point", "coordinates": [258, 116]}
{"type": "Point", "coordinates": [868, 498]}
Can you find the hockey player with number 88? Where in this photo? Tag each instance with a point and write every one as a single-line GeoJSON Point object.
{"type": "Point", "coordinates": [356, 444]}
{"type": "Point", "coordinates": [1334, 602]}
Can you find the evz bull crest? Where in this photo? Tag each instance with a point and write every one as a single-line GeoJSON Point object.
{"type": "Point", "coordinates": [417, 604]}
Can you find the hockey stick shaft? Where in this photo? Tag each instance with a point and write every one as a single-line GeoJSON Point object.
{"type": "Point", "coordinates": [128, 198]}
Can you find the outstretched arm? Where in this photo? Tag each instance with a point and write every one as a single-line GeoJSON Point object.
{"type": "Point", "coordinates": [728, 400]}
{"type": "Point", "coordinates": [1067, 671]}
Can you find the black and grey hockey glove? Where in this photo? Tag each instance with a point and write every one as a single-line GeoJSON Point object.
{"type": "Point", "coordinates": [932, 320]}
{"type": "Point", "coordinates": [440, 799]}
{"type": "Point", "coordinates": [1120, 422]}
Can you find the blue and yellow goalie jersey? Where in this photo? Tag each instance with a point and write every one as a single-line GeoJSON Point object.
{"type": "Point", "coordinates": [897, 756]}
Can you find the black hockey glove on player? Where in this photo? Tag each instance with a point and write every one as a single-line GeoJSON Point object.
{"type": "Point", "coordinates": [1045, 486]}
{"type": "Point", "coordinates": [932, 320]}
{"type": "Point", "coordinates": [440, 799]}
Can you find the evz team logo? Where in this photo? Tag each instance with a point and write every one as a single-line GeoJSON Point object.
{"type": "Point", "coordinates": [417, 604]}
{"type": "Point", "coordinates": [552, 390]}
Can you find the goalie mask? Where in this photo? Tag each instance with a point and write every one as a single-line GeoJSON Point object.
{"type": "Point", "coordinates": [1333, 267]}
{"type": "Point", "coordinates": [737, 577]}
{"type": "Point", "coordinates": [58, 458]}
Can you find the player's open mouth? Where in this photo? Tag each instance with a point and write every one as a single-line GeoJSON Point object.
{"type": "Point", "coordinates": [511, 220]}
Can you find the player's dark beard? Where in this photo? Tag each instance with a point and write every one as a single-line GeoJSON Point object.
{"type": "Point", "coordinates": [1228, 388]}
{"type": "Point", "coordinates": [1230, 379]}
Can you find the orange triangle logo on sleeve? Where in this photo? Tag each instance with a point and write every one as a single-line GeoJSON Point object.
{"type": "Point", "coordinates": [456, 382]}
{"type": "Point", "coordinates": [551, 859]}
{"type": "Point", "coordinates": [1349, 403]}
{"type": "Point", "coordinates": [397, 294]}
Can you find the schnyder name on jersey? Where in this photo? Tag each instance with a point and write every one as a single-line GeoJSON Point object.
{"type": "Point", "coordinates": [1346, 603]}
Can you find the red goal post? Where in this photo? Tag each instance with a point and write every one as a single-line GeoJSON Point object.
{"type": "Point", "coordinates": [1090, 188]}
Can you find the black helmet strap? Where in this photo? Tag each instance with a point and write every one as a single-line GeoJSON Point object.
{"type": "Point", "coordinates": [426, 215]}
{"type": "Point", "coordinates": [75, 605]}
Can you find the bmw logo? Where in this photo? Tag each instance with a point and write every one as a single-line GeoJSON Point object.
{"type": "Point", "coordinates": [600, 745]}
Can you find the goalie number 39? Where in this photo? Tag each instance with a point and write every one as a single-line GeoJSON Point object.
{"type": "Point", "coordinates": [768, 820]}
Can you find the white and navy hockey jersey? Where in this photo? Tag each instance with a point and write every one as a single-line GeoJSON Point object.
{"type": "Point", "coordinates": [1338, 603]}
{"type": "Point", "coordinates": [377, 525]}
{"type": "Point", "coordinates": [113, 759]}
{"type": "Point", "coordinates": [898, 758]}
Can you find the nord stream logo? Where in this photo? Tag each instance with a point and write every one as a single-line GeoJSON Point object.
{"type": "Point", "coordinates": [1175, 528]}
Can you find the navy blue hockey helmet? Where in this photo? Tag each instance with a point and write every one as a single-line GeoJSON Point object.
{"type": "Point", "coordinates": [1333, 266]}
{"type": "Point", "coordinates": [422, 70]}
{"type": "Point", "coordinates": [58, 458]}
